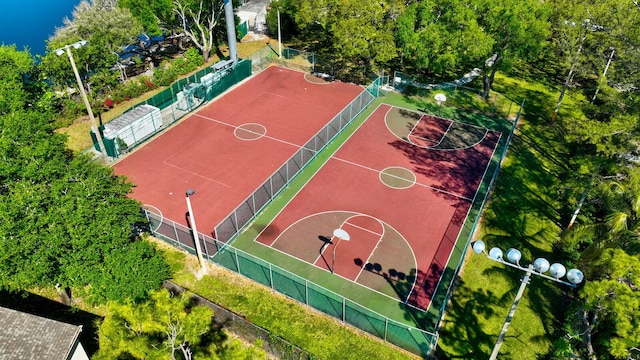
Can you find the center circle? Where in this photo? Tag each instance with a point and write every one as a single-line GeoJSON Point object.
{"type": "Point", "coordinates": [250, 131]}
{"type": "Point", "coordinates": [397, 177]}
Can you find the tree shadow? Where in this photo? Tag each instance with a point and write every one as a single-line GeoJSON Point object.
{"type": "Point", "coordinates": [466, 335]}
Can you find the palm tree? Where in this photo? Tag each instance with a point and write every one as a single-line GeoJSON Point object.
{"type": "Point", "coordinates": [616, 225]}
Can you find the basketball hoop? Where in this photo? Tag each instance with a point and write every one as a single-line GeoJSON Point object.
{"type": "Point", "coordinates": [440, 98]}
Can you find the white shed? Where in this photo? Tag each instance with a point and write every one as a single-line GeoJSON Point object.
{"type": "Point", "coordinates": [132, 127]}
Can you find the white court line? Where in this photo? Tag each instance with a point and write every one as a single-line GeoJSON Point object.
{"type": "Point", "coordinates": [486, 131]}
{"type": "Point", "coordinates": [417, 183]}
{"type": "Point", "coordinates": [415, 261]}
{"type": "Point", "coordinates": [466, 216]}
{"type": "Point", "coordinates": [158, 213]}
{"type": "Point", "coordinates": [373, 251]}
{"type": "Point", "coordinates": [196, 174]}
{"type": "Point", "coordinates": [238, 126]}
{"type": "Point", "coordinates": [437, 143]}
{"type": "Point", "coordinates": [338, 275]}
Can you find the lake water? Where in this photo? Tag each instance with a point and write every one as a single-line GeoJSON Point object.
{"type": "Point", "coordinates": [28, 23]}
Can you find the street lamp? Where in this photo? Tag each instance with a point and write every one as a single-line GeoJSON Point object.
{"type": "Point", "coordinates": [279, 36]}
{"type": "Point", "coordinates": [94, 127]}
{"type": "Point", "coordinates": [341, 235]}
{"type": "Point", "coordinates": [192, 222]}
{"type": "Point", "coordinates": [538, 267]}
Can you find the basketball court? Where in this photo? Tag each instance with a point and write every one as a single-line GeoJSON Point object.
{"type": "Point", "coordinates": [401, 188]}
{"type": "Point", "coordinates": [226, 149]}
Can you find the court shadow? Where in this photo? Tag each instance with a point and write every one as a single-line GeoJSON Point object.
{"type": "Point", "coordinates": [326, 241]}
{"type": "Point", "coordinates": [399, 281]}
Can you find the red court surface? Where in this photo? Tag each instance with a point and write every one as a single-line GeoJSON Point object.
{"type": "Point", "coordinates": [210, 153]}
{"type": "Point", "coordinates": [428, 215]}
{"type": "Point", "coordinates": [429, 133]}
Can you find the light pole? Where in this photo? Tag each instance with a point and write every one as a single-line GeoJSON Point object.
{"type": "Point", "coordinates": [192, 222]}
{"type": "Point", "coordinates": [538, 267]}
{"type": "Point", "coordinates": [94, 127]}
{"type": "Point", "coordinates": [279, 37]}
{"type": "Point", "coordinates": [341, 235]}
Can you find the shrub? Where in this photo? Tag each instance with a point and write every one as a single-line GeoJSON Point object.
{"type": "Point", "coordinates": [164, 75]}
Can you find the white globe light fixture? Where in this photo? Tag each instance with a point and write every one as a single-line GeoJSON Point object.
{"type": "Point", "coordinates": [514, 255]}
{"type": "Point", "coordinates": [575, 276]}
{"type": "Point", "coordinates": [478, 247]}
{"type": "Point", "coordinates": [557, 270]}
{"type": "Point", "coordinates": [539, 267]}
{"type": "Point", "coordinates": [495, 253]}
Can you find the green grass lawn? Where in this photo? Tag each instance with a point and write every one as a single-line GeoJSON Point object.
{"type": "Point", "coordinates": [522, 213]}
{"type": "Point", "coordinates": [78, 138]}
{"type": "Point", "coordinates": [320, 335]}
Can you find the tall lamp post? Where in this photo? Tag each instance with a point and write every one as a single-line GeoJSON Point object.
{"type": "Point", "coordinates": [94, 127]}
{"type": "Point", "coordinates": [192, 222]}
{"type": "Point", "coordinates": [538, 267]}
{"type": "Point", "coordinates": [279, 36]}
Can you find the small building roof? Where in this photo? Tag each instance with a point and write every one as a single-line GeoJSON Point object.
{"type": "Point", "coordinates": [26, 336]}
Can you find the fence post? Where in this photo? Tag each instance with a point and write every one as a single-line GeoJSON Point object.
{"type": "Point", "coordinates": [235, 251]}
{"type": "Point", "coordinates": [271, 275]}
{"type": "Point", "coordinates": [175, 231]}
{"type": "Point", "coordinates": [344, 308]}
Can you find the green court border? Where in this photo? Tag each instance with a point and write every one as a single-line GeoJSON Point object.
{"type": "Point", "coordinates": [391, 308]}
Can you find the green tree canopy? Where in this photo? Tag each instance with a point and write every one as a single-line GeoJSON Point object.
{"type": "Point", "coordinates": [157, 16]}
{"type": "Point", "coordinates": [14, 66]}
{"type": "Point", "coordinates": [64, 218]}
{"type": "Point", "coordinates": [360, 32]}
{"type": "Point", "coordinates": [166, 327]}
{"type": "Point", "coordinates": [106, 28]}
{"type": "Point", "coordinates": [606, 325]}
{"type": "Point", "coordinates": [443, 37]}
{"type": "Point", "coordinates": [519, 29]}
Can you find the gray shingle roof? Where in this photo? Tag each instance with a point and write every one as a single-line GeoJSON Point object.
{"type": "Point", "coordinates": [26, 336]}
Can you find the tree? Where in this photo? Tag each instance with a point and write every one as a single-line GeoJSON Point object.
{"type": "Point", "coordinates": [442, 37]}
{"type": "Point", "coordinates": [605, 324]}
{"type": "Point", "coordinates": [586, 37]}
{"type": "Point", "coordinates": [107, 29]}
{"type": "Point", "coordinates": [64, 218]}
{"type": "Point", "coordinates": [166, 327]}
{"type": "Point", "coordinates": [614, 222]}
{"type": "Point", "coordinates": [360, 32]}
{"type": "Point", "coordinates": [157, 16]}
{"type": "Point", "coordinates": [199, 20]}
{"type": "Point", "coordinates": [14, 66]}
{"type": "Point", "coordinates": [518, 28]}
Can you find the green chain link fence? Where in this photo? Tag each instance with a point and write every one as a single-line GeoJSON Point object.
{"type": "Point", "coordinates": [173, 103]}
{"type": "Point", "coordinates": [196, 90]}
{"type": "Point", "coordinates": [415, 340]}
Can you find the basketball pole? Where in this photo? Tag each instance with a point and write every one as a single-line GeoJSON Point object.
{"type": "Point", "coordinates": [279, 37]}
{"type": "Point", "coordinates": [333, 258]}
{"type": "Point", "coordinates": [340, 235]}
